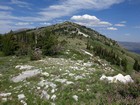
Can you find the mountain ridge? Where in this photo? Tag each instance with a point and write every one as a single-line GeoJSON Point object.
{"type": "Point", "coordinates": [76, 37]}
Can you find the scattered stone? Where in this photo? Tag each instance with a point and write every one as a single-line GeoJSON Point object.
{"type": "Point", "coordinates": [5, 94]}
{"type": "Point", "coordinates": [53, 97]}
{"type": "Point", "coordinates": [52, 103]}
{"type": "Point", "coordinates": [38, 88]}
{"type": "Point", "coordinates": [26, 74]}
{"type": "Point", "coordinates": [75, 97]}
{"type": "Point", "coordinates": [21, 96]}
{"type": "Point", "coordinates": [61, 80]}
{"type": "Point", "coordinates": [71, 74]}
{"type": "Point", "coordinates": [24, 67]}
{"type": "Point", "coordinates": [46, 83]}
{"type": "Point", "coordinates": [53, 90]}
{"type": "Point", "coordinates": [23, 102]}
{"type": "Point", "coordinates": [69, 82]}
{"type": "Point", "coordinates": [81, 33]}
{"type": "Point", "coordinates": [78, 77]}
{"type": "Point", "coordinates": [87, 53]}
{"type": "Point", "coordinates": [45, 74]}
{"type": "Point", "coordinates": [88, 64]}
{"type": "Point", "coordinates": [4, 99]}
{"type": "Point", "coordinates": [45, 95]}
{"type": "Point", "coordinates": [74, 67]}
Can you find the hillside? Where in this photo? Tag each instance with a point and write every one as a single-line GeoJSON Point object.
{"type": "Point", "coordinates": [82, 37]}
{"type": "Point", "coordinates": [77, 66]}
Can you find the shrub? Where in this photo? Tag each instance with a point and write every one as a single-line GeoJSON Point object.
{"type": "Point", "coordinates": [36, 54]}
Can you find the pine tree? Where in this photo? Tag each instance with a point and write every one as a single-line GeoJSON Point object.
{"type": "Point", "coordinates": [136, 65]}
{"type": "Point", "coordinates": [50, 43]}
{"type": "Point", "coordinates": [1, 42]}
{"type": "Point", "coordinates": [124, 64]}
{"type": "Point", "coordinates": [88, 44]}
{"type": "Point", "coordinates": [8, 44]}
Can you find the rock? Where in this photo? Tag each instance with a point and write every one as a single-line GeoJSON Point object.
{"type": "Point", "coordinates": [119, 77]}
{"type": "Point", "coordinates": [38, 88]}
{"type": "Point", "coordinates": [26, 74]}
{"type": "Point", "coordinates": [88, 64]}
{"type": "Point", "coordinates": [45, 74]}
{"type": "Point", "coordinates": [87, 53]}
{"type": "Point", "coordinates": [24, 67]}
{"type": "Point", "coordinates": [5, 94]}
{"type": "Point", "coordinates": [45, 95]}
{"type": "Point", "coordinates": [4, 99]}
{"type": "Point", "coordinates": [23, 102]}
{"type": "Point", "coordinates": [75, 97]}
{"type": "Point", "coordinates": [46, 83]}
{"type": "Point", "coordinates": [78, 77]}
{"type": "Point", "coordinates": [53, 97]}
{"type": "Point", "coordinates": [21, 96]}
{"type": "Point", "coordinates": [53, 90]}
{"type": "Point", "coordinates": [69, 82]}
{"type": "Point", "coordinates": [61, 80]}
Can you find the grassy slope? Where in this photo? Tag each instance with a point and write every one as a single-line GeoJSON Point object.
{"type": "Point", "coordinates": [90, 90]}
{"type": "Point", "coordinates": [65, 30]}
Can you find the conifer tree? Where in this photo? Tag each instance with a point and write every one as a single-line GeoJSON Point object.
{"type": "Point", "coordinates": [50, 43]}
{"type": "Point", "coordinates": [124, 64]}
{"type": "Point", "coordinates": [1, 42]}
{"type": "Point", "coordinates": [136, 65]}
{"type": "Point", "coordinates": [8, 44]}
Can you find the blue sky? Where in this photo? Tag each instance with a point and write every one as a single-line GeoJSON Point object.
{"type": "Point", "coordinates": [117, 19]}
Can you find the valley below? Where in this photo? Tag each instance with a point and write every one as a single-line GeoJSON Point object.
{"type": "Point", "coordinates": [131, 46]}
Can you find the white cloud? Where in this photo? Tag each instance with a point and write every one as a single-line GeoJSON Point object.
{"type": "Point", "coordinates": [45, 23]}
{"type": "Point", "coordinates": [123, 22]}
{"type": "Point", "coordinates": [137, 27]}
{"type": "Point", "coordinates": [2, 7]}
{"type": "Point", "coordinates": [112, 28]}
{"type": "Point", "coordinates": [70, 7]}
{"type": "Point", "coordinates": [21, 3]}
{"type": "Point", "coordinates": [5, 26]}
{"type": "Point", "coordinates": [64, 8]}
{"type": "Point", "coordinates": [91, 21]}
{"type": "Point", "coordinates": [23, 23]}
{"type": "Point", "coordinates": [120, 25]}
{"type": "Point", "coordinates": [128, 34]}
{"type": "Point", "coordinates": [7, 23]}
{"type": "Point", "coordinates": [61, 9]}
{"type": "Point", "coordinates": [85, 17]}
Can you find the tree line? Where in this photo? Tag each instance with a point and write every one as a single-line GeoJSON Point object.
{"type": "Point", "coordinates": [23, 43]}
{"type": "Point", "coordinates": [111, 57]}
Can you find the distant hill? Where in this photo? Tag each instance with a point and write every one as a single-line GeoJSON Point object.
{"type": "Point", "coordinates": [131, 46]}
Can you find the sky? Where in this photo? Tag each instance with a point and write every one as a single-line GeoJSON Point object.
{"type": "Point", "coordinates": [116, 19]}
